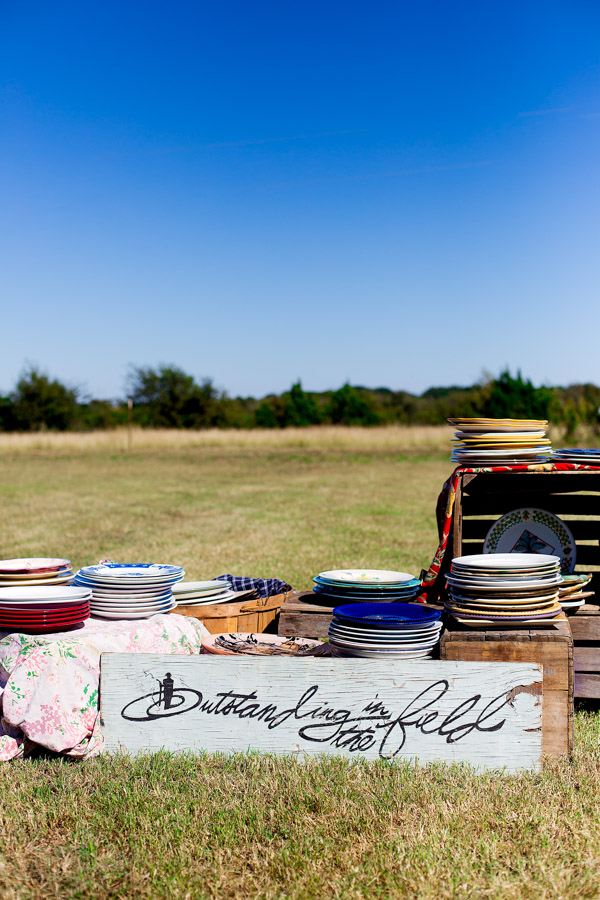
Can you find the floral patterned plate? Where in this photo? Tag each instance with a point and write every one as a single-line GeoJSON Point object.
{"type": "Point", "coordinates": [245, 644]}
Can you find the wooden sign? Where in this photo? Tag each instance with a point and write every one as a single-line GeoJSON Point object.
{"type": "Point", "coordinates": [487, 714]}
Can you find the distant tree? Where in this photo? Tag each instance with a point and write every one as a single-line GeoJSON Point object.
{"type": "Point", "coordinates": [300, 407]}
{"type": "Point", "coordinates": [40, 403]}
{"type": "Point", "coordinates": [348, 406]}
{"type": "Point", "coordinates": [517, 398]}
{"type": "Point", "coordinates": [171, 399]}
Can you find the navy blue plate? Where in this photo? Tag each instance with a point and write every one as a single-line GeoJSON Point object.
{"type": "Point", "coordinates": [379, 615]}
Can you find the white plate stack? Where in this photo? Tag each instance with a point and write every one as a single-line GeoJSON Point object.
{"type": "Point", "coordinates": [202, 593]}
{"type": "Point", "coordinates": [499, 442]}
{"type": "Point", "coordinates": [504, 589]}
{"type": "Point", "coordinates": [130, 591]}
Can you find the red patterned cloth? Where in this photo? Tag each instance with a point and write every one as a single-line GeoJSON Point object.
{"type": "Point", "coordinates": [446, 505]}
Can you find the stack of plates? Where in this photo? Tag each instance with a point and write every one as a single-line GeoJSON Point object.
{"type": "Point", "coordinates": [384, 630]}
{"type": "Point", "coordinates": [130, 591]}
{"type": "Point", "coordinates": [584, 457]}
{"type": "Point", "coordinates": [43, 609]}
{"type": "Point", "coordinates": [489, 442]}
{"type": "Point", "coordinates": [365, 586]}
{"type": "Point", "coordinates": [507, 588]}
{"type": "Point", "coordinates": [35, 571]}
{"type": "Point", "coordinates": [202, 593]}
{"type": "Point", "coordinates": [571, 594]}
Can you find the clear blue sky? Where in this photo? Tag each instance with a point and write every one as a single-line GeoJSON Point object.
{"type": "Point", "coordinates": [391, 193]}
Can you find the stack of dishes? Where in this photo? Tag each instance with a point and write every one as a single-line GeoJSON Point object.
{"type": "Point", "coordinates": [202, 593]}
{"type": "Point", "coordinates": [365, 586]}
{"type": "Point", "coordinates": [583, 457]}
{"type": "Point", "coordinates": [489, 442]}
{"type": "Point", "coordinates": [507, 588]}
{"type": "Point", "coordinates": [130, 591]}
{"type": "Point", "coordinates": [571, 593]}
{"type": "Point", "coordinates": [43, 609]}
{"type": "Point", "coordinates": [35, 571]}
{"type": "Point", "coordinates": [384, 630]}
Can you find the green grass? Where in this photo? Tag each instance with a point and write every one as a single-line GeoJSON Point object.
{"type": "Point", "coordinates": [252, 826]}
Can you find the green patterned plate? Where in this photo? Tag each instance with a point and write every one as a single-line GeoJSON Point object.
{"type": "Point", "coordinates": [532, 530]}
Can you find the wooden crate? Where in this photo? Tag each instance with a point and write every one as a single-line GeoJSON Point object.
{"type": "Point", "coordinates": [301, 617]}
{"type": "Point", "coordinates": [256, 616]}
{"type": "Point", "coordinates": [483, 497]}
{"type": "Point", "coordinates": [552, 648]}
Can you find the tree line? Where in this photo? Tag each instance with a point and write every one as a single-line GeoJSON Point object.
{"type": "Point", "coordinates": [168, 397]}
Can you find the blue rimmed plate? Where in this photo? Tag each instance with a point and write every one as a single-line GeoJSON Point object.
{"type": "Point", "coordinates": [386, 615]}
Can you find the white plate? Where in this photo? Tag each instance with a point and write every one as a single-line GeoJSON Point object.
{"type": "Point", "coordinates": [505, 560]}
{"type": "Point", "coordinates": [128, 615]}
{"type": "Point", "coordinates": [212, 601]}
{"type": "Point", "coordinates": [125, 589]}
{"type": "Point", "coordinates": [34, 582]}
{"type": "Point", "coordinates": [366, 576]}
{"type": "Point", "coordinates": [46, 594]}
{"type": "Point", "coordinates": [132, 607]}
{"type": "Point", "coordinates": [201, 585]}
{"type": "Point", "coordinates": [125, 598]}
{"type": "Point", "coordinates": [384, 635]}
{"type": "Point", "coordinates": [200, 596]}
{"type": "Point", "coordinates": [128, 582]}
{"type": "Point", "coordinates": [379, 654]}
{"type": "Point", "coordinates": [27, 564]}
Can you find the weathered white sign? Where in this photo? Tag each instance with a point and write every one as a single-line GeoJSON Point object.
{"type": "Point", "coordinates": [487, 714]}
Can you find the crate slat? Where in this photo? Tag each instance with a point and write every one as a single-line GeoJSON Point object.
{"type": "Point", "coordinates": [498, 482]}
{"type": "Point", "coordinates": [587, 659]}
{"type": "Point", "coordinates": [582, 530]}
{"type": "Point", "coordinates": [498, 504]}
{"type": "Point", "coordinates": [587, 685]}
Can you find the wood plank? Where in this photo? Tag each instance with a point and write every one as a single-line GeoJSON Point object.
{"type": "Point", "coordinates": [489, 715]}
{"type": "Point", "coordinates": [301, 624]}
{"type": "Point", "coordinates": [585, 628]}
{"type": "Point", "coordinates": [496, 504]}
{"type": "Point", "coordinates": [557, 723]}
{"type": "Point", "coordinates": [560, 630]}
{"type": "Point", "coordinates": [556, 482]}
{"type": "Point", "coordinates": [581, 529]}
{"type": "Point", "coordinates": [588, 609]}
{"type": "Point", "coordinates": [586, 659]}
{"type": "Point", "coordinates": [553, 656]}
{"type": "Point", "coordinates": [587, 686]}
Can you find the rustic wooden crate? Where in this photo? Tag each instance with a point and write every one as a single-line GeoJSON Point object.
{"type": "Point", "coordinates": [256, 616]}
{"type": "Point", "coordinates": [301, 617]}
{"type": "Point", "coordinates": [552, 648]}
{"type": "Point", "coordinates": [483, 497]}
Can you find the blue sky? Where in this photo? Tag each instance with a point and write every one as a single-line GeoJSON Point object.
{"type": "Point", "coordinates": [399, 194]}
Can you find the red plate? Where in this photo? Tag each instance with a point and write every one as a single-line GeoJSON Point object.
{"type": "Point", "coordinates": [40, 629]}
{"type": "Point", "coordinates": [25, 610]}
{"type": "Point", "coordinates": [43, 620]}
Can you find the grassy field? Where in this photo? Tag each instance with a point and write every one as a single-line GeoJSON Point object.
{"type": "Point", "coordinates": [287, 505]}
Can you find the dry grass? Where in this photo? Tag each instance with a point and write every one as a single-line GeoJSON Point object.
{"type": "Point", "coordinates": [327, 438]}
{"type": "Point", "coordinates": [255, 826]}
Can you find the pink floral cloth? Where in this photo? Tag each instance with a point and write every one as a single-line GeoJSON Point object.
{"type": "Point", "coordinates": [49, 683]}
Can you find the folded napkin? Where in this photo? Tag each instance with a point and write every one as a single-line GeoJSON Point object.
{"type": "Point", "coordinates": [264, 587]}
